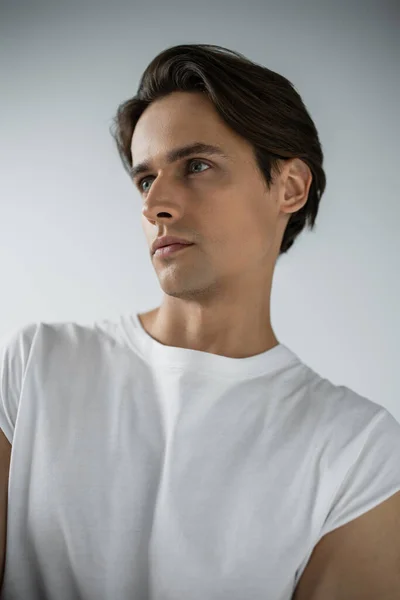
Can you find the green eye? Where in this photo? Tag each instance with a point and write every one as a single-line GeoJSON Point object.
{"type": "Point", "coordinates": [188, 164]}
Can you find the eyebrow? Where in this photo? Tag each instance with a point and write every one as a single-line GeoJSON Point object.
{"type": "Point", "coordinates": [182, 152]}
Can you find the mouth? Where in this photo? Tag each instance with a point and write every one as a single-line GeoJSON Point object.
{"type": "Point", "coordinates": [171, 249]}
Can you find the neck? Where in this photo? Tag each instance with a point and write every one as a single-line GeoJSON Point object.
{"type": "Point", "coordinates": [229, 333]}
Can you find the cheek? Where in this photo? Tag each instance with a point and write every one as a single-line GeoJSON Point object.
{"type": "Point", "coordinates": [250, 233]}
{"type": "Point", "coordinates": [235, 242]}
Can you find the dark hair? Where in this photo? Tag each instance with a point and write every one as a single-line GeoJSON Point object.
{"type": "Point", "coordinates": [257, 103]}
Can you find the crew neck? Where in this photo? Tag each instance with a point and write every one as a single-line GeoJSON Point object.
{"type": "Point", "coordinates": [158, 354]}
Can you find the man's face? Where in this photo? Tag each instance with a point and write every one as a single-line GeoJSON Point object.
{"type": "Point", "coordinates": [220, 204]}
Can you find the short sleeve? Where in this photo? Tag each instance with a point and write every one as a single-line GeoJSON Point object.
{"type": "Point", "coordinates": [15, 349]}
{"type": "Point", "coordinates": [374, 476]}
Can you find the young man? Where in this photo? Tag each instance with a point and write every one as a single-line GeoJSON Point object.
{"type": "Point", "coordinates": [186, 453]}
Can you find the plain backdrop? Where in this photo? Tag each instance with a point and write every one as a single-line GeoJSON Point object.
{"type": "Point", "coordinates": [72, 246]}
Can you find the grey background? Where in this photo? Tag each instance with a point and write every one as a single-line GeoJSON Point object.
{"type": "Point", "coordinates": [71, 241]}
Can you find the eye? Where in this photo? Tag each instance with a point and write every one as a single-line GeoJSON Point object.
{"type": "Point", "coordinates": [188, 164]}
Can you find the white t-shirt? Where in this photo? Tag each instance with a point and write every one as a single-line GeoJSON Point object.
{"type": "Point", "coordinates": [150, 472]}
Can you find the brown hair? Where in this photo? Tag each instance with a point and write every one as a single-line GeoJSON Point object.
{"type": "Point", "coordinates": [257, 103]}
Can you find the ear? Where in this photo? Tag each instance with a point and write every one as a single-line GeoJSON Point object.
{"type": "Point", "coordinates": [296, 183]}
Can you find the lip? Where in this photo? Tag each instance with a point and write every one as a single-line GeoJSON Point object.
{"type": "Point", "coordinates": [170, 249]}
{"type": "Point", "coordinates": [168, 240]}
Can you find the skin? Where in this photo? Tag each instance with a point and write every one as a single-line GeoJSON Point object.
{"type": "Point", "coordinates": [216, 294]}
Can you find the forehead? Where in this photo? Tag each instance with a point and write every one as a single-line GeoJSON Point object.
{"type": "Point", "coordinates": [176, 121]}
{"type": "Point", "coordinates": [170, 114]}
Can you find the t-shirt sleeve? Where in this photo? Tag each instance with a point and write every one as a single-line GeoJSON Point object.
{"type": "Point", "coordinates": [372, 478]}
{"type": "Point", "coordinates": [15, 350]}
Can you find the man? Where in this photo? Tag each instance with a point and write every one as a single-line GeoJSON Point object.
{"type": "Point", "coordinates": [186, 453]}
